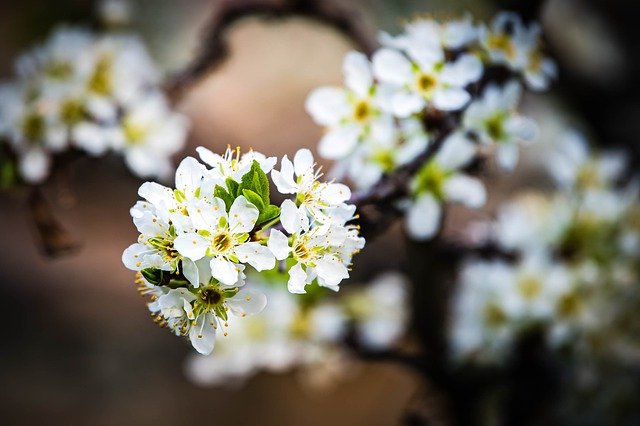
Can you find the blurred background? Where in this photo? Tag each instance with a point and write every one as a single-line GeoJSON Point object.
{"type": "Point", "coordinates": [79, 347]}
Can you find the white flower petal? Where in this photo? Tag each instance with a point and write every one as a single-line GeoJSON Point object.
{"type": "Point", "coordinates": [327, 105]}
{"type": "Point", "coordinates": [292, 218]}
{"type": "Point", "coordinates": [466, 190]}
{"type": "Point", "coordinates": [203, 333]}
{"type": "Point", "coordinates": [247, 302]}
{"type": "Point", "coordinates": [191, 245]}
{"type": "Point", "coordinates": [206, 215]}
{"type": "Point", "coordinates": [423, 217]}
{"type": "Point", "coordinates": [335, 193]}
{"type": "Point", "coordinates": [189, 175]}
{"type": "Point", "coordinates": [331, 270]}
{"type": "Point", "coordinates": [283, 179]}
{"type": "Point", "coordinates": [279, 244]}
{"type": "Point", "coordinates": [465, 70]}
{"type": "Point", "coordinates": [456, 151]}
{"type": "Point", "coordinates": [256, 255]}
{"type": "Point", "coordinates": [224, 270]}
{"type": "Point", "coordinates": [507, 156]}
{"type": "Point", "coordinates": [339, 142]}
{"type": "Point", "coordinates": [132, 256]}
{"type": "Point", "coordinates": [522, 128]}
{"type": "Point", "coordinates": [242, 215]}
{"type": "Point", "coordinates": [404, 103]}
{"type": "Point", "coordinates": [191, 272]}
{"type": "Point", "coordinates": [303, 161]}
{"type": "Point", "coordinates": [357, 73]}
{"type": "Point", "coordinates": [391, 66]}
{"type": "Point", "coordinates": [450, 98]}
{"type": "Point", "coordinates": [34, 165]}
{"type": "Point", "coordinates": [297, 279]}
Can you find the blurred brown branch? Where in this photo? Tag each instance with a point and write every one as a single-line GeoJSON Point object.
{"type": "Point", "coordinates": [56, 240]}
{"type": "Point", "coordinates": [344, 16]}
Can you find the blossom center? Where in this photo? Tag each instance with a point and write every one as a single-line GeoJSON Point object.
{"type": "Point", "coordinates": [431, 178]}
{"type": "Point", "coordinates": [384, 158]}
{"type": "Point", "coordinates": [301, 252]}
{"type": "Point", "coordinates": [495, 127]}
{"type": "Point", "coordinates": [134, 133]}
{"type": "Point", "coordinates": [494, 315]}
{"type": "Point", "coordinates": [71, 112]}
{"type": "Point", "coordinates": [425, 83]}
{"type": "Point", "coordinates": [530, 287]}
{"type": "Point", "coordinates": [101, 81]}
{"type": "Point", "coordinates": [222, 242]}
{"type": "Point", "coordinates": [568, 305]}
{"type": "Point", "coordinates": [58, 70]}
{"type": "Point", "coordinates": [502, 42]}
{"type": "Point", "coordinates": [33, 127]}
{"type": "Point", "coordinates": [210, 296]}
{"type": "Point", "coordinates": [362, 111]}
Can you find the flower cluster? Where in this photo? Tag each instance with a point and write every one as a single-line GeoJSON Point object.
{"type": "Point", "coordinates": [297, 332]}
{"type": "Point", "coordinates": [197, 239]}
{"type": "Point", "coordinates": [576, 270]}
{"type": "Point", "coordinates": [89, 93]}
{"type": "Point", "coordinates": [382, 119]}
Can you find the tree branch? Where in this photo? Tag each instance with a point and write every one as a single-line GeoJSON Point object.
{"type": "Point", "coordinates": [344, 16]}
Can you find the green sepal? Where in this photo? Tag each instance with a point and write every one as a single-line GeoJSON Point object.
{"type": "Point", "coordinates": [180, 197]}
{"type": "Point", "coordinates": [153, 275]}
{"type": "Point", "coordinates": [221, 313]}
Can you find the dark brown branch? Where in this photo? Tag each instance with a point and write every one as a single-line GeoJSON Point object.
{"type": "Point", "coordinates": [377, 207]}
{"type": "Point", "coordinates": [339, 14]}
{"type": "Point", "coordinates": [56, 241]}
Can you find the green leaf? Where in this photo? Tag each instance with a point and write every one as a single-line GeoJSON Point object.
{"type": "Point", "coordinates": [270, 213]}
{"type": "Point", "coordinates": [256, 180]}
{"type": "Point", "coordinates": [233, 187]}
{"type": "Point", "coordinates": [220, 192]}
{"type": "Point", "coordinates": [254, 199]}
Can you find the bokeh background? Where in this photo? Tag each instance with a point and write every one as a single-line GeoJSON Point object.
{"type": "Point", "coordinates": [78, 346]}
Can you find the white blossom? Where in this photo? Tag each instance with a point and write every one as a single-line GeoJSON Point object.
{"type": "Point", "coordinates": [492, 119]}
{"type": "Point", "coordinates": [438, 181]}
{"type": "Point", "coordinates": [510, 43]}
{"type": "Point", "coordinates": [301, 178]}
{"type": "Point", "coordinates": [349, 113]}
{"type": "Point", "coordinates": [418, 75]}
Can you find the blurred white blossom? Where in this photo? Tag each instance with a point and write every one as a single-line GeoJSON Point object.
{"type": "Point", "coordinates": [93, 93]}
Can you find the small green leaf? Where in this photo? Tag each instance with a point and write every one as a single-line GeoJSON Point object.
{"type": "Point", "coordinates": [256, 180]}
{"type": "Point", "coordinates": [221, 193]}
{"type": "Point", "coordinates": [270, 213]}
{"type": "Point", "coordinates": [254, 199]}
{"type": "Point", "coordinates": [233, 187]}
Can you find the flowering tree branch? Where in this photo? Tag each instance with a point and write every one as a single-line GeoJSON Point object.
{"type": "Point", "coordinates": [376, 206]}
